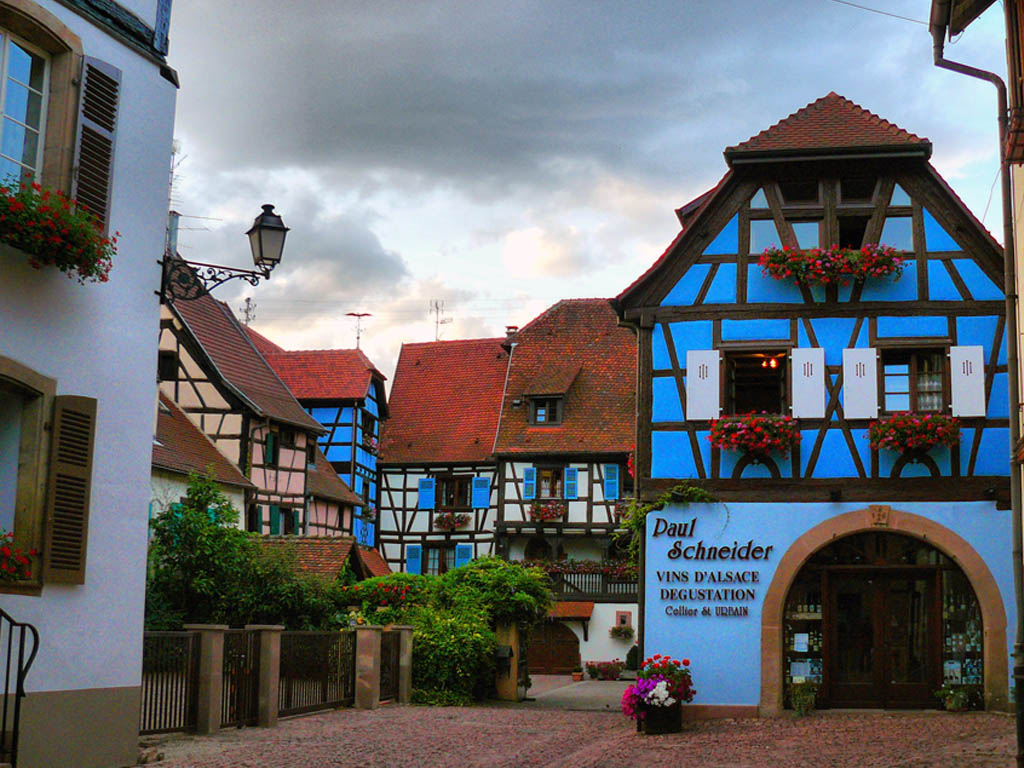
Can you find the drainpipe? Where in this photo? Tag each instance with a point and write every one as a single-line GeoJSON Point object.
{"type": "Point", "coordinates": [501, 410]}
{"type": "Point", "coordinates": [939, 21]}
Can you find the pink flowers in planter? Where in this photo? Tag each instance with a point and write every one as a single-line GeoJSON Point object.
{"type": "Point", "coordinates": [831, 266]}
{"type": "Point", "coordinates": [920, 432]}
{"type": "Point", "coordinates": [755, 433]}
{"type": "Point", "coordinates": [449, 520]}
{"type": "Point", "coordinates": [661, 682]}
{"type": "Point", "coordinates": [541, 512]}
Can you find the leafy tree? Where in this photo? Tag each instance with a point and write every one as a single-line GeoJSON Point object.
{"type": "Point", "coordinates": [506, 592]}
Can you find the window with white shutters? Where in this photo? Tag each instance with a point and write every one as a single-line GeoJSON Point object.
{"type": "Point", "coordinates": [860, 383]}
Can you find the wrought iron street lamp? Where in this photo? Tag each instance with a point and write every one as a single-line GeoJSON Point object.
{"type": "Point", "coordinates": [183, 280]}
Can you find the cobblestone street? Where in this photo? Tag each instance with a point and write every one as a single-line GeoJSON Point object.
{"type": "Point", "coordinates": [425, 737]}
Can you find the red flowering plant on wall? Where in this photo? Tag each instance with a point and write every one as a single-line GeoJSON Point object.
{"type": "Point", "coordinates": [542, 511]}
{"type": "Point", "coordinates": [55, 231]}
{"type": "Point", "coordinates": [832, 266]}
{"type": "Point", "coordinates": [15, 564]}
{"type": "Point", "coordinates": [449, 520]}
{"type": "Point", "coordinates": [755, 433]}
{"type": "Point", "coordinates": [920, 432]}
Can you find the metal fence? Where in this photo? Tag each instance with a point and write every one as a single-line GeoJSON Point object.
{"type": "Point", "coordinates": [240, 682]}
{"type": "Point", "coordinates": [170, 681]}
{"type": "Point", "coordinates": [389, 654]}
{"type": "Point", "coordinates": [318, 671]}
{"type": "Point", "coordinates": [18, 645]}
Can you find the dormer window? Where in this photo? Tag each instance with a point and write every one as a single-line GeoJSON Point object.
{"type": "Point", "coordinates": [546, 411]}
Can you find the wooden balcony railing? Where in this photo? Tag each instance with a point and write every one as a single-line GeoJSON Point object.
{"type": "Point", "coordinates": [593, 586]}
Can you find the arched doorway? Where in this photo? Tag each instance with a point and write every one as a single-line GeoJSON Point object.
{"type": "Point", "coordinates": [881, 619]}
{"type": "Point", "coordinates": [991, 614]}
{"type": "Point", "coordinates": [554, 649]}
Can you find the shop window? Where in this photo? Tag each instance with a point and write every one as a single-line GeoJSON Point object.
{"type": "Point", "coordinates": [453, 491]}
{"type": "Point", "coordinates": [46, 446]}
{"type": "Point", "coordinates": [756, 382]}
{"type": "Point", "coordinates": [546, 410]}
{"type": "Point", "coordinates": [914, 380]}
{"type": "Point", "coordinates": [799, 192]}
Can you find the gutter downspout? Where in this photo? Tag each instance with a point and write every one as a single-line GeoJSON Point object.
{"type": "Point", "coordinates": [939, 21]}
{"type": "Point", "coordinates": [504, 391]}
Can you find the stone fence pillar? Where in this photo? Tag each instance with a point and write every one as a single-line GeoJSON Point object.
{"type": "Point", "coordinates": [270, 672]}
{"type": "Point", "coordinates": [404, 662]}
{"type": "Point", "coordinates": [368, 666]}
{"type": "Point", "coordinates": [211, 672]}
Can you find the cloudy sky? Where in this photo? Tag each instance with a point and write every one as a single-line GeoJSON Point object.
{"type": "Point", "coordinates": [499, 156]}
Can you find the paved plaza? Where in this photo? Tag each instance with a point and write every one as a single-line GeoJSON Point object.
{"type": "Point", "coordinates": [528, 735]}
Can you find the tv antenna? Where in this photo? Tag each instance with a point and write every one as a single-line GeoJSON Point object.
{"type": "Point", "coordinates": [437, 307]}
{"type": "Point", "coordinates": [359, 323]}
{"type": "Point", "coordinates": [248, 311]}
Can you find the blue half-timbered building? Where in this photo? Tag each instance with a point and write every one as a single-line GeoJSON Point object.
{"type": "Point", "coordinates": [876, 572]}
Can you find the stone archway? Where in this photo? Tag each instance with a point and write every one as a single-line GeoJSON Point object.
{"type": "Point", "coordinates": [996, 664]}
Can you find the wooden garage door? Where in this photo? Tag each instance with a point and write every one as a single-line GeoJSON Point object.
{"type": "Point", "coordinates": [554, 649]}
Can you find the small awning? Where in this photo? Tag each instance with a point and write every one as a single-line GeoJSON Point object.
{"type": "Point", "coordinates": [573, 610]}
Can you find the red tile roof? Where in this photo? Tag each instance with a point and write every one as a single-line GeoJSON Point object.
{"type": "Point", "coordinates": [374, 563]}
{"type": "Point", "coordinates": [830, 123]}
{"type": "Point", "coordinates": [324, 374]}
{"type": "Point", "coordinates": [444, 402]}
{"type": "Point", "coordinates": [233, 354]}
{"type": "Point", "coordinates": [180, 447]}
{"type": "Point", "coordinates": [319, 555]}
{"type": "Point", "coordinates": [599, 409]}
{"type": "Point", "coordinates": [261, 342]}
{"type": "Point", "coordinates": [326, 555]}
{"type": "Point", "coordinates": [571, 609]}
{"type": "Point", "coordinates": [323, 482]}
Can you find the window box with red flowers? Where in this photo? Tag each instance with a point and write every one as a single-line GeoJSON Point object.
{"type": "Point", "coordinates": [55, 231]}
{"type": "Point", "coordinates": [449, 520]}
{"type": "Point", "coordinates": [546, 511]}
{"type": "Point", "coordinates": [757, 434]}
{"type": "Point", "coordinates": [908, 432]}
{"type": "Point", "coordinates": [832, 266]}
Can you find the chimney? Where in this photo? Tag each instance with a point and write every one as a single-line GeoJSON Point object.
{"type": "Point", "coordinates": [510, 331]}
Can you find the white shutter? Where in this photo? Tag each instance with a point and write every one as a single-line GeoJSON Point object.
{"type": "Point", "coordinates": [808, 382]}
{"type": "Point", "coordinates": [860, 383]}
{"type": "Point", "coordinates": [702, 384]}
{"type": "Point", "coordinates": [967, 373]}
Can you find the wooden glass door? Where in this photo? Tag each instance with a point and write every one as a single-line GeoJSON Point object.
{"type": "Point", "coordinates": [882, 639]}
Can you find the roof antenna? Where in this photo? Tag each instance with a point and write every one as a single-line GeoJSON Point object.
{"type": "Point", "coordinates": [359, 323]}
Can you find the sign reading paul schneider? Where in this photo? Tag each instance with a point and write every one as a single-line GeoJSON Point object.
{"type": "Point", "coordinates": [726, 587]}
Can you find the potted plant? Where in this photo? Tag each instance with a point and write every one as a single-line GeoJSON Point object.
{"type": "Point", "coordinates": [577, 673]}
{"type": "Point", "coordinates": [543, 511]}
{"type": "Point", "coordinates": [621, 632]}
{"type": "Point", "coordinates": [15, 564]}
{"type": "Point", "coordinates": [449, 520]}
{"type": "Point", "coordinates": [55, 231]}
{"type": "Point", "coordinates": [802, 697]}
{"type": "Point", "coordinates": [953, 697]}
{"type": "Point", "coordinates": [655, 699]}
{"type": "Point", "coordinates": [758, 434]}
{"type": "Point", "coordinates": [908, 432]}
{"type": "Point", "coordinates": [604, 670]}
{"type": "Point", "coordinates": [831, 266]}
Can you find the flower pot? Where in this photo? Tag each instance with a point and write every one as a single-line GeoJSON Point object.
{"type": "Point", "coordinates": [662, 719]}
{"type": "Point", "coordinates": [577, 677]}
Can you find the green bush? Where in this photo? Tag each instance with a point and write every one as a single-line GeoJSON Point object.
{"type": "Point", "coordinates": [507, 592]}
{"type": "Point", "coordinates": [453, 652]}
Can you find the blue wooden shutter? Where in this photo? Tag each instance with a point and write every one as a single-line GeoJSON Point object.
{"type": "Point", "coordinates": [162, 26]}
{"type": "Point", "coordinates": [611, 482]}
{"type": "Point", "coordinates": [481, 492]}
{"type": "Point", "coordinates": [414, 558]}
{"type": "Point", "coordinates": [426, 499]}
{"type": "Point", "coordinates": [530, 483]}
{"type": "Point", "coordinates": [275, 520]}
{"type": "Point", "coordinates": [463, 554]}
{"type": "Point", "coordinates": [571, 483]}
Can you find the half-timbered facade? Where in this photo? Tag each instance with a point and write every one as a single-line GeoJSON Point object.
{"type": "Point", "coordinates": [439, 490]}
{"type": "Point", "coordinates": [209, 367]}
{"type": "Point", "coordinates": [875, 573]}
{"type": "Point", "coordinates": [344, 392]}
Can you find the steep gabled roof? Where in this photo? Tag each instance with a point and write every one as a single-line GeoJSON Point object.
{"type": "Point", "coordinates": [323, 483]}
{"type": "Point", "coordinates": [374, 563]}
{"type": "Point", "coordinates": [444, 402]}
{"type": "Point", "coordinates": [324, 374]}
{"type": "Point", "coordinates": [179, 446]}
{"type": "Point", "coordinates": [232, 353]}
{"type": "Point", "coordinates": [326, 555]}
{"type": "Point", "coordinates": [261, 342]}
{"type": "Point", "coordinates": [578, 345]}
{"type": "Point", "coordinates": [831, 125]}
